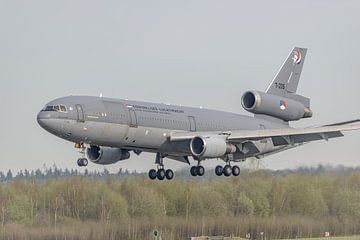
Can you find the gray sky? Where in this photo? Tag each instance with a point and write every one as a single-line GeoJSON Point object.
{"type": "Point", "coordinates": [197, 53]}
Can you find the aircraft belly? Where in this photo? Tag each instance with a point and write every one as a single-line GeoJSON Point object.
{"type": "Point", "coordinates": [113, 134]}
{"type": "Point", "coordinates": [146, 137]}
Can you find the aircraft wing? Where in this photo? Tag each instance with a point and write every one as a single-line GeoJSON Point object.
{"type": "Point", "coordinates": [282, 136]}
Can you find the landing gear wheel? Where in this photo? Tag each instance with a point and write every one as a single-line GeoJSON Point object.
{"type": "Point", "coordinates": [161, 174]}
{"type": "Point", "coordinates": [152, 174]}
{"type": "Point", "coordinates": [169, 174]}
{"type": "Point", "coordinates": [82, 162]}
{"type": "Point", "coordinates": [193, 171]}
{"type": "Point", "coordinates": [235, 171]}
{"type": "Point", "coordinates": [200, 171]}
{"type": "Point", "coordinates": [85, 162]}
{"type": "Point", "coordinates": [227, 171]}
{"type": "Point", "coordinates": [219, 171]}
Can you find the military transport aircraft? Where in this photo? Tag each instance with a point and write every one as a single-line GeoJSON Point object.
{"type": "Point", "coordinates": [107, 130]}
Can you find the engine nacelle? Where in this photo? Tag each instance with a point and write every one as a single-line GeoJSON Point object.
{"type": "Point", "coordinates": [106, 155]}
{"type": "Point", "coordinates": [283, 108]}
{"type": "Point", "coordinates": [210, 147]}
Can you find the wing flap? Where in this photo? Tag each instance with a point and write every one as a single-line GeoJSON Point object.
{"type": "Point", "coordinates": [301, 138]}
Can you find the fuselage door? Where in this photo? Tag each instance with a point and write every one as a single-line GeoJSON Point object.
{"type": "Point", "coordinates": [80, 113]}
{"type": "Point", "coordinates": [192, 124]}
{"type": "Point", "coordinates": [133, 120]}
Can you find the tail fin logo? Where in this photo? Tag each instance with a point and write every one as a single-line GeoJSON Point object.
{"type": "Point", "coordinates": [282, 105]}
{"type": "Point", "coordinates": [297, 57]}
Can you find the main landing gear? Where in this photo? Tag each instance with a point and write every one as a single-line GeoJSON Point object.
{"type": "Point", "coordinates": [197, 170]}
{"type": "Point", "coordinates": [81, 162]}
{"type": "Point", "coordinates": [160, 173]}
{"type": "Point", "coordinates": [227, 170]}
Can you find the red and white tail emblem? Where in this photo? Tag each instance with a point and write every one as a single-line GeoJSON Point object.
{"type": "Point", "coordinates": [297, 57]}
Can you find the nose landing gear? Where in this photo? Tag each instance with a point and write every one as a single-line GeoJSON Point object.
{"type": "Point", "coordinates": [81, 162]}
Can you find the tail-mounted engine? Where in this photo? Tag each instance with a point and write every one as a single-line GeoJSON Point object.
{"type": "Point", "coordinates": [287, 109]}
{"type": "Point", "coordinates": [106, 155]}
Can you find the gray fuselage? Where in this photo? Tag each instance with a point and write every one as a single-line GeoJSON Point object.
{"type": "Point", "coordinates": [137, 125]}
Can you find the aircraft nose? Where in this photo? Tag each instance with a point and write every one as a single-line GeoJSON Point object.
{"type": "Point", "coordinates": [43, 119]}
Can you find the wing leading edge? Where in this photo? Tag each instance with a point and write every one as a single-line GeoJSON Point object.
{"type": "Point", "coordinates": [283, 136]}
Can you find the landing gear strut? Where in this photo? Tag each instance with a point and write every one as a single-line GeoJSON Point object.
{"type": "Point", "coordinates": [227, 170]}
{"type": "Point", "coordinates": [160, 173]}
{"type": "Point", "coordinates": [81, 162]}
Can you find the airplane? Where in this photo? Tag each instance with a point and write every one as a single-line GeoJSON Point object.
{"type": "Point", "coordinates": [107, 130]}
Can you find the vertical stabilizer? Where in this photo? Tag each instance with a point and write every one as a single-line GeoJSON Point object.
{"type": "Point", "coordinates": [286, 80]}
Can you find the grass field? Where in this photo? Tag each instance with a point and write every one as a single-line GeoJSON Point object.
{"type": "Point", "coordinates": [332, 238]}
{"type": "Point", "coordinates": [329, 238]}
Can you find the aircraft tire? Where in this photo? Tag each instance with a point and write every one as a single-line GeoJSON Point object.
{"type": "Point", "coordinates": [82, 162]}
{"type": "Point", "coordinates": [200, 171]}
{"type": "Point", "coordinates": [169, 174]}
{"type": "Point", "coordinates": [152, 174]}
{"type": "Point", "coordinates": [161, 174]}
{"type": "Point", "coordinates": [85, 162]}
{"type": "Point", "coordinates": [235, 171]}
{"type": "Point", "coordinates": [193, 171]}
{"type": "Point", "coordinates": [79, 162]}
{"type": "Point", "coordinates": [219, 170]}
{"type": "Point", "coordinates": [227, 171]}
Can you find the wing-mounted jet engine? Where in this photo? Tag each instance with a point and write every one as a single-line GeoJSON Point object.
{"type": "Point", "coordinates": [106, 155]}
{"type": "Point", "coordinates": [210, 147]}
{"type": "Point", "coordinates": [284, 108]}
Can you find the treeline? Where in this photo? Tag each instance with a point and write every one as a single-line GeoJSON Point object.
{"type": "Point", "coordinates": [54, 173]}
{"type": "Point", "coordinates": [131, 207]}
{"type": "Point", "coordinates": [47, 173]}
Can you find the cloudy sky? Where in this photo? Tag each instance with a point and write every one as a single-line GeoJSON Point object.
{"type": "Point", "coordinates": [190, 52]}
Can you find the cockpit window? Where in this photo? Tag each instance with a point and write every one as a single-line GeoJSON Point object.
{"type": "Point", "coordinates": [57, 108]}
{"type": "Point", "coordinates": [49, 108]}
